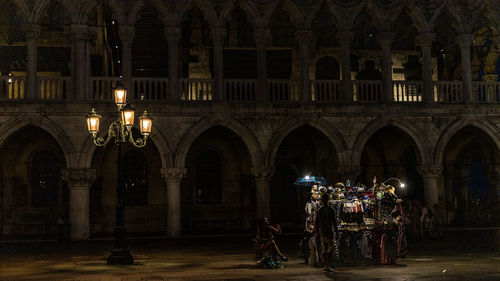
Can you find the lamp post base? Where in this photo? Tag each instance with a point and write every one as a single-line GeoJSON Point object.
{"type": "Point", "coordinates": [120, 257]}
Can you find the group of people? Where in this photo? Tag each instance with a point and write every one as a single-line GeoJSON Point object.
{"type": "Point", "coordinates": [422, 222]}
{"type": "Point", "coordinates": [353, 222]}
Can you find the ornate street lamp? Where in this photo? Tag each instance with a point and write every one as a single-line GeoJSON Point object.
{"type": "Point", "coordinates": [120, 131]}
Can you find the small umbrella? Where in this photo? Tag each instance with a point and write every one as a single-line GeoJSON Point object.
{"type": "Point", "coordinates": [310, 181]}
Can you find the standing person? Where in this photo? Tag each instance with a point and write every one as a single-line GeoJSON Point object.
{"type": "Point", "coordinates": [310, 210]}
{"type": "Point", "coordinates": [326, 226]}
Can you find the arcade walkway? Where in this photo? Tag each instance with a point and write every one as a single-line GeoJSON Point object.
{"type": "Point", "coordinates": [230, 258]}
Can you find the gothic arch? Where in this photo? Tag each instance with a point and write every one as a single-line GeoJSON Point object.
{"type": "Point", "coordinates": [41, 6]}
{"type": "Point", "coordinates": [44, 123]}
{"type": "Point", "coordinates": [487, 127]}
{"type": "Point", "coordinates": [23, 7]}
{"type": "Point", "coordinates": [293, 11]}
{"type": "Point", "coordinates": [320, 124]}
{"type": "Point", "coordinates": [88, 147]}
{"type": "Point", "coordinates": [406, 126]}
{"type": "Point", "coordinates": [247, 6]}
{"type": "Point", "coordinates": [232, 124]}
{"type": "Point", "coordinates": [209, 13]}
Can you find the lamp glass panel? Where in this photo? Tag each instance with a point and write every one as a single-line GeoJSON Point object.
{"type": "Point", "coordinates": [128, 117]}
{"type": "Point", "coordinates": [145, 125]}
{"type": "Point", "coordinates": [120, 96]}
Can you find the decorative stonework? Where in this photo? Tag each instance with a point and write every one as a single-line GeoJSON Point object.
{"type": "Point", "coordinates": [78, 178]}
{"type": "Point", "coordinates": [348, 172]}
{"type": "Point", "coordinates": [127, 33]}
{"type": "Point", "coordinates": [218, 34]}
{"type": "Point", "coordinates": [173, 174]}
{"type": "Point", "coordinates": [465, 41]}
{"type": "Point", "coordinates": [430, 170]}
{"type": "Point", "coordinates": [262, 36]}
{"type": "Point", "coordinates": [173, 34]}
{"type": "Point", "coordinates": [31, 31]}
{"type": "Point", "coordinates": [263, 174]}
{"type": "Point", "coordinates": [425, 39]}
{"type": "Point", "coordinates": [385, 39]}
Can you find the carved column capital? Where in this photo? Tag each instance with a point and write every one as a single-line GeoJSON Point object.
{"type": "Point", "coordinates": [465, 41]}
{"type": "Point", "coordinates": [305, 37]}
{"type": "Point", "coordinates": [430, 171]}
{"type": "Point", "coordinates": [262, 37]}
{"type": "Point", "coordinates": [385, 39]}
{"type": "Point", "coordinates": [79, 32]}
{"type": "Point", "coordinates": [263, 173]}
{"type": "Point", "coordinates": [349, 172]}
{"type": "Point", "coordinates": [173, 174]}
{"type": "Point", "coordinates": [345, 38]}
{"type": "Point", "coordinates": [218, 34]}
{"type": "Point", "coordinates": [173, 34]}
{"type": "Point", "coordinates": [425, 39]}
{"type": "Point", "coordinates": [31, 31]}
{"type": "Point", "coordinates": [78, 178]}
{"type": "Point", "coordinates": [127, 33]}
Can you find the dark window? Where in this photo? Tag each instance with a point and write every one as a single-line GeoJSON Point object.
{"type": "Point", "coordinates": [208, 178]}
{"type": "Point", "coordinates": [240, 64]}
{"type": "Point", "coordinates": [135, 176]}
{"type": "Point", "coordinates": [279, 64]}
{"type": "Point", "coordinates": [45, 174]}
{"type": "Point", "coordinates": [327, 68]}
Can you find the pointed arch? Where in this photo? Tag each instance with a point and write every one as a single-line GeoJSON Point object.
{"type": "Point", "coordinates": [423, 147]}
{"type": "Point", "coordinates": [293, 11]}
{"type": "Point", "coordinates": [209, 13]}
{"type": "Point", "coordinates": [486, 126]}
{"type": "Point", "coordinates": [320, 124]}
{"type": "Point", "coordinates": [41, 6]}
{"type": "Point", "coordinates": [247, 6]}
{"type": "Point", "coordinates": [230, 123]}
{"type": "Point", "coordinates": [16, 123]}
{"type": "Point", "coordinates": [23, 7]}
{"type": "Point", "coordinates": [88, 148]}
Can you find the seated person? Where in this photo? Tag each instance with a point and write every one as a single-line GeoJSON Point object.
{"type": "Point", "coordinates": [266, 241]}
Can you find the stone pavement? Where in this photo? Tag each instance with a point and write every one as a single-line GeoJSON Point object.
{"type": "Point", "coordinates": [230, 258]}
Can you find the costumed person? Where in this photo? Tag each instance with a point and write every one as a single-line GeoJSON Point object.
{"type": "Point", "coordinates": [325, 227]}
{"type": "Point", "coordinates": [310, 215]}
{"type": "Point", "coordinates": [266, 244]}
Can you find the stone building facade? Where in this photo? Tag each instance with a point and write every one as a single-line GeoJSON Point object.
{"type": "Point", "coordinates": [246, 96]}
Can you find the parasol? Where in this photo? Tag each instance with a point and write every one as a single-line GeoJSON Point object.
{"type": "Point", "coordinates": [310, 181]}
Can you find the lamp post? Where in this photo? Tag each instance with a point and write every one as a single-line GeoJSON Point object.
{"type": "Point", "coordinates": [120, 131]}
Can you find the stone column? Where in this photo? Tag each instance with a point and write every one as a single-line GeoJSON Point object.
{"type": "Point", "coordinates": [31, 32]}
{"type": "Point", "coordinates": [304, 39]}
{"type": "Point", "coordinates": [262, 38]}
{"type": "Point", "coordinates": [385, 40]}
{"type": "Point", "coordinates": [430, 174]}
{"type": "Point", "coordinates": [173, 178]}
{"type": "Point", "coordinates": [127, 34]}
{"type": "Point", "coordinates": [424, 40]}
{"type": "Point", "coordinates": [218, 35]}
{"type": "Point", "coordinates": [345, 38]}
{"type": "Point", "coordinates": [262, 187]}
{"type": "Point", "coordinates": [348, 173]}
{"type": "Point", "coordinates": [173, 35]}
{"type": "Point", "coordinates": [79, 181]}
{"type": "Point", "coordinates": [465, 41]}
{"type": "Point", "coordinates": [80, 38]}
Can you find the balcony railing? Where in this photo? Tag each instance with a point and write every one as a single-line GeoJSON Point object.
{"type": "Point", "coordinates": [54, 88]}
{"type": "Point", "coordinates": [192, 89]}
{"type": "Point", "coordinates": [149, 88]}
{"type": "Point", "coordinates": [407, 91]}
{"type": "Point", "coordinates": [247, 90]}
{"type": "Point", "coordinates": [367, 90]}
{"type": "Point", "coordinates": [325, 90]}
{"type": "Point", "coordinates": [284, 90]}
{"type": "Point", "coordinates": [101, 88]}
{"type": "Point", "coordinates": [12, 87]}
{"type": "Point", "coordinates": [239, 90]}
{"type": "Point", "coordinates": [486, 91]}
{"type": "Point", "coordinates": [448, 91]}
